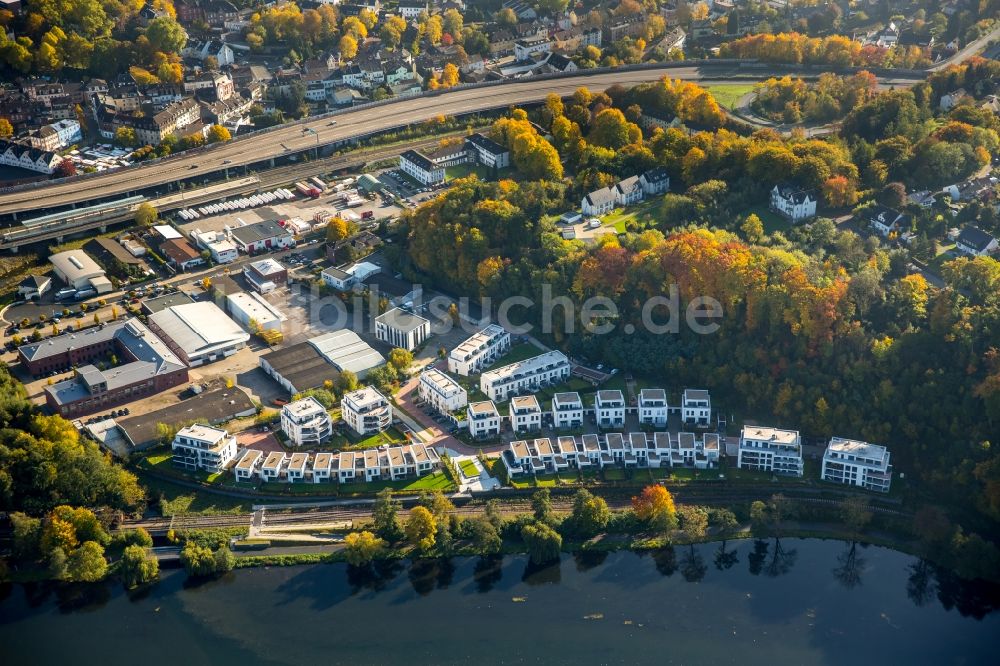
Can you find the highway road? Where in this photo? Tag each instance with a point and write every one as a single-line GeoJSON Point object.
{"type": "Point", "coordinates": [321, 131]}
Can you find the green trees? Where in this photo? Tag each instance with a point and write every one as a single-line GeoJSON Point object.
{"type": "Point", "coordinates": [385, 516]}
{"type": "Point", "coordinates": [218, 134]}
{"type": "Point", "coordinates": [400, 359]}
{"type": "Point", "coordinates": [86, 564]}
{"type": "Point", "coordinates": [137, 568]}
{"type": "Point", "coordinates": [200, 560]}
{"type": "Point", "coordinates": [590, 513]}
{"type": "Point", "coordinates": [655, 506]}
{"type": "Point", "coordinates": [166, 35]}
{"type": "Point", "coordinates": [485, 538]}
{"type": "Point", "coordinates": [543, 542]}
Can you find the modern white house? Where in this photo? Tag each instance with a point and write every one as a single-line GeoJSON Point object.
{"type": "Point", "coordinates": [306, 422]}
{"type": "Point", "coordinates": [653, 407]}
{"type": "Point", "coordinates": [528, 375]}
{"type": "Point", "coordinates": [628, 191]}
{"type": "Point", "coordinates": [343, 279]}
{"type": "Point", "coordinates": [567, 410]}
{"type": "Point", "coordinates": [273, 466]}
{"type": "Point", "coordinates": [366, 411]}
{"type": "Point", "coordinates": [401, 328]}
{"type": "Point", "coordinates": [793, 202]}
{"type": "Point", "coordinates": [525, 413]}
{"type": "Point", "coordinates": [609, 407]}
{"type": "Point", "coordinates": [421, 168]}
{"type": "Point", "coordinates": [479, 350]}
{"type": "Point", "coordinates": [202, 447]}
{"type": "Point", "coordinates": [773, 450]}
{"type": "Point", "coordinates": [248, 467]}
{"type": "Point", "coordinates": [483, 419]}
{"type": "Point", "coordinates": [696, 407]}
{"type": "Point", "coordinates": [975, 242]}
{"type": "Point", "coordinates": [857, 463]}
{"type": "Point", "coordinates": [295, 471]}
{"type": "Point", "coordinates": [221, 249]}
{"type": "Point", "coordinates": [441, 392]}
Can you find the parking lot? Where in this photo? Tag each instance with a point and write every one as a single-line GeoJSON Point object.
{"type": "Point", "coordinates": [406, 187]}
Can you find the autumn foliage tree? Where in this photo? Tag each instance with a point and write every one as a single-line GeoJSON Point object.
{"type": "Point", "coordinates": [655, 506]}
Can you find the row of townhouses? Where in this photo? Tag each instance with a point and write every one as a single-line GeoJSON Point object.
{"type": "Point", "coordinates": [429, 169]}
{"type": "Point", "coordinates": [636, 449]}
{"type": "Point", "coordinates": [383, 464]}
{"type": "Point", "coordinates": [567, 410]}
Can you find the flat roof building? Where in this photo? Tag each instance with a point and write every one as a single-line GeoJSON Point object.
{"type": "Point", "coordinates": [252, 307]}
{"type": "Point", "coordinates": [402, 328]}
{"type": "Point", "coordinates": [530, 374]}
{"type": "Point", "coordinates": [366, 411]}
{"type": "Point", "coordinates": [306, 422]}
{"type": "Point", "coordinates": [79, 270]}
{"type": "Point", "coordinates": [770, 450]}
{"type": "Point", "coordinates": [199, 332]}
{"type": "Point", "coordinates": [441, 392]}
{"type": "Point", "coordinates": [202, 447]}
{"type": "Point", "coordinates": [856, 463]}
{"type": "Point", "coordinates": [479, 350]}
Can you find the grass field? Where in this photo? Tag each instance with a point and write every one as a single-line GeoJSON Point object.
{"type": "Point", "coordinates": [772, 221]}
{"type": "Point", "coordinates": [391, 435]}
{"type": "Point", "coordinates": [469, 469]}
{"type": "Point", "coordinates": [726, 94]}
{"type": "Point", "coordinates": [643, 214]}
{"type": "Point", "coordinates": [177, 500]}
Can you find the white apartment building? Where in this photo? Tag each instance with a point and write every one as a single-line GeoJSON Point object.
{"type": "Point", "coordinates": [696, 407]}
{"type": "Point", "coordinates": [525, 376]}
{"type": "Point", "coordinates": [610, 409]}
{"type": "Point", "coordinates": [770, 450]}
{"type": "Point", "coordinates": [441, 391]}
{"type": "Point", "coordinates": [249, 465]}
{"type": "Point", "coordinates": [479, 350]}
{"type": "Point", "coordinates": [402, 329]}
{"type": "Point", "coordinates": [366, 411]}
{"type": "Point", "coordinates": [483, 418]}
{"type": "Point", "coordinates": [794, 203]}
{"type": "Point", "coordinates": [306, 422]}
{"type": "Point", "coordinates": [567, 410]}
{"type": "Point", "coordinates": [857, 463]}
{"type": "Point", "coordinates": [653, 407]}
{"type": "Point", "coordinates": [202, 447]}
{"type": "Point", "coordinates": [525, 413]}
{"type": "Point", "coordinates": [421, 168]}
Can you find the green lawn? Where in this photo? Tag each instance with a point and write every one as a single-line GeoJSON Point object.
{"type": "Point", "coordinates": [160, 460]}
{"type": "Point", "coordinates": [176, 500]}
{"type": "Point", "coordinates": [436, 481]}
{"type": "Point", "coordinates": [392, 435]}
{"type": "Point", "coordinates": [546, 480]}
{"type": "Point", "coordinates": [772, 221]}
{"type": "Point", "coordinates": [517, 352]}
{"type": "Point", "coordinates": [643, 214]}
{"type": "Point", "coordinates": [726, 94]}
{"type": "Point", "coordinates": [469, 469]}
{"type": "Point", "coordinates": [463, 170]}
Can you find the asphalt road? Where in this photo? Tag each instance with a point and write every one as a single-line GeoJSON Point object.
{"type": "Point", "coordinates": [293, 137]}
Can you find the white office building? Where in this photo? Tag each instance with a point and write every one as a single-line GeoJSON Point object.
{"type": "Point", "coordinates": [441, 391]}
{"type": "Point", "coordinates": [525, 413]}
{"type": "Point", "coordinates": [202, 447]}
{"type": "Point", "coordinates": [774, 450]}
{"type": "Point", "coordinates": [401, 328]}
{"type": "Point", "coordinates": [421, 168]}
{"type": "Point", "coordinates": [610, 409]}
{"type": "Point", "coordinates": [653, 407]}
{"type": "Point", "coordinates": [483, 418]}
{"type": "Point", "coordinates": [525, 376]}
{"type": "Point", "coordinates": [696, 407]}
{"type": "Point", "coordinates": [252, 310]}
{"type": "Point", "coordinates": [479, 350]}
{"type": "Point", "coordinates": [857, 463]}
{"type": "Point", "coordinates": [567, 410]}
{"type": "Point", "coordinates": [306, 422]}
{"type": "Point", "coordinates": [366, 411]}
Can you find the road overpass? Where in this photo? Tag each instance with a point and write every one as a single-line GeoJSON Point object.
{"type": "Point", "coordinates": [341, 127]}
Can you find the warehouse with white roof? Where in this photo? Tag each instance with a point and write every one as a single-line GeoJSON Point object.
{"type": "Point", "coordinates": [79, 270]}
{"type": "Point", "coordinates": [199, 332]}
{"type": "Point", "coordinates": [246, 307]}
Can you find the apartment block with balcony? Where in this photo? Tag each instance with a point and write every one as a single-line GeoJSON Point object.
{"type": "Point", "coordinates": [567, 410]}
{"type": "Point", "coordinates": [483, 419]}
{"type": "Point", "coordinates": [366, 411]}
{"type": "Point", "coordinates": [857, 463]}
{"type": "Point", "coordinates": [765, 449]}
{"type": "Point", "coordinates": [202, 447]}
{"type": "Point", "coordinates": [306, 422]}
{"type": "Point", "coordinates": [609, 407]}
{"type": "Point", "coordinates": [696, 407]}
{"type": "Point", "coordinates": [653, 407]}
{"type": "Point", "coordinates": [525, 376]}
{"type": "Point", "coordinates": [479, 350]}
{"type": "Point", "coordinates": [525, 414]}
{"type": "Point", "coordinates": [441, 392]}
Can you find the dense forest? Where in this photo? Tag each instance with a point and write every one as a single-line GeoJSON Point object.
{"type": "Point", "coordinates": [824, 330]}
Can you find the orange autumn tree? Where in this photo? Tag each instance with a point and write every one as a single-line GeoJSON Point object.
{"type": "Point", "coordinates": [655, 505]}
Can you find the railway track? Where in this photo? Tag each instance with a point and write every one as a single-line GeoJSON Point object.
{"type": "Point", "coordinates": [291, 517]}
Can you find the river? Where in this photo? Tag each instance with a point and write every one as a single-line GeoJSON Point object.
{"type": "Point", "coordinates": [751, 602]}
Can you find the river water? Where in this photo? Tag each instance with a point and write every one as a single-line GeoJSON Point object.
{"type": "Point", "coordinates": [748, 602]}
